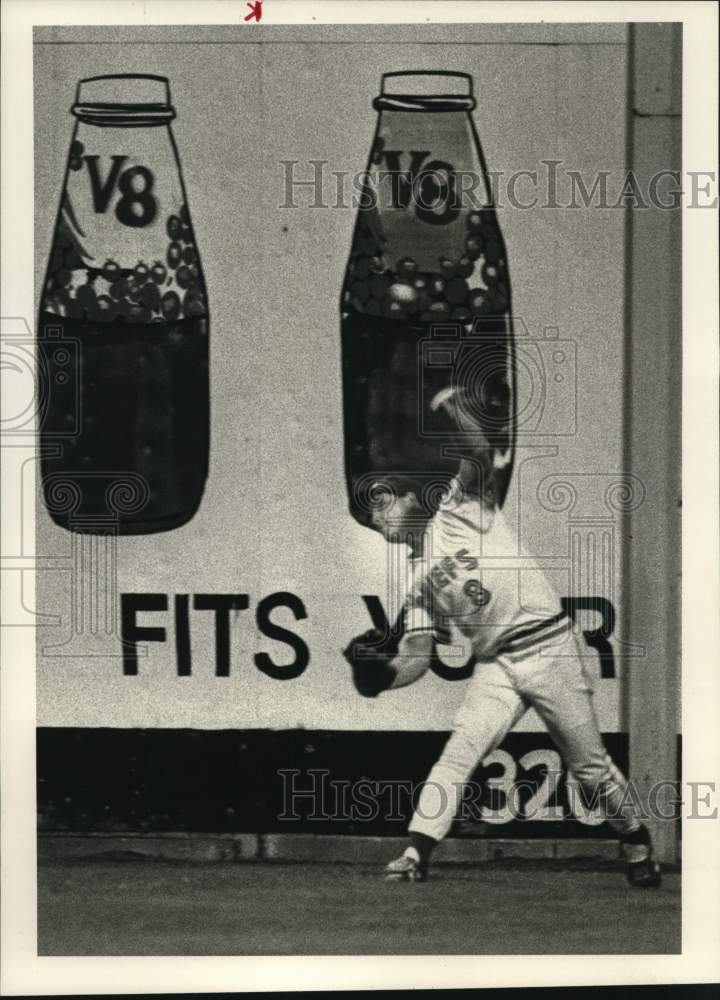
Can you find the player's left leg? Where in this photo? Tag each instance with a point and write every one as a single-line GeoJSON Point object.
{"type": "Point", "coordinates": [490, 708]}
{"type": "Point", "coordinates": [557, 686]}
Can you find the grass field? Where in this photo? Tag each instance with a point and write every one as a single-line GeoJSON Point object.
{"type": "Point", "coordinates": [180, 908]}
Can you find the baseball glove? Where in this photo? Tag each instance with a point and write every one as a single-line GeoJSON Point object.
{"type": "Point", "coordinates": [371, 672]}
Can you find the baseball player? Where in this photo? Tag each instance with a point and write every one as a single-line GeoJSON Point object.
{"type": "Point", "coordinates": [466, 578]}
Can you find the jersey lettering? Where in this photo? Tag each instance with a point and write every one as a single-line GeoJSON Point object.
{"type": "Point", "coordinates": [439, 578]}
{"type": "Point", "coordinates": [466, 560]}
{"type": "Point", "coordinates": [477, 593]}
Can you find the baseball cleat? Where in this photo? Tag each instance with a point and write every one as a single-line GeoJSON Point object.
{"type": "Point", "coordinates": [643, 871]}
{"type": "Point", "coordinates": [405, 869]}
{"type": "Point", "coordinates": [644, 874]}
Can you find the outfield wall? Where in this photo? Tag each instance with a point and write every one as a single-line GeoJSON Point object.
{"type": "Point", "coordinates": [273, 532]}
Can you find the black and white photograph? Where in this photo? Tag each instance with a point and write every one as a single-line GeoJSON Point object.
{"type": "Point", "coordinates": [347, 509]}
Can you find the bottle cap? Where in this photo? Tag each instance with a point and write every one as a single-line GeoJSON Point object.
{"type": "Point", "coordinates": [426, 90]}
{"type": "Point", "coordinates": [124, 99]}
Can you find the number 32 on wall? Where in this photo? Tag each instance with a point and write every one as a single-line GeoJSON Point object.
{"type": "Point", "coordinates": [536, 808]}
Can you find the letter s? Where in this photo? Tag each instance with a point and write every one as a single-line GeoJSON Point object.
{"type": "Point", "coordinates": [302, 653]}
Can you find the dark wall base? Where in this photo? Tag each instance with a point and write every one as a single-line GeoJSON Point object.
{"type": "Point", "coordinates": [135, 780]}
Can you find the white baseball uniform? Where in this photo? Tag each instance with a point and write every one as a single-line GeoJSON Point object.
{"type": "Point", "coordinates": [471, 578]}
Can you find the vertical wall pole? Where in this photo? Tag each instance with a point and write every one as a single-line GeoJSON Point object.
{"type": "Point", "coordinates": [653, 414]}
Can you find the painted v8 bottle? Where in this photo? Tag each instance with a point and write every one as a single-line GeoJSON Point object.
{"type": "Point", "coordinates": [426, 312]}
{"type": "Point", "coordinates": [123, 329]}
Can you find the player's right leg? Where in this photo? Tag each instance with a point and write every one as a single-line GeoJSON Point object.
{"type": "Point", "coordinates": [556, 685]}
{"type": "Point", "coordinates": [490, 708]}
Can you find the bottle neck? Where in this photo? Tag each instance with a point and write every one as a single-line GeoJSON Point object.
{"type": "Point", "coordinates": [439, 102]}
{"type": "Point", "coordinates": [124, 115]}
